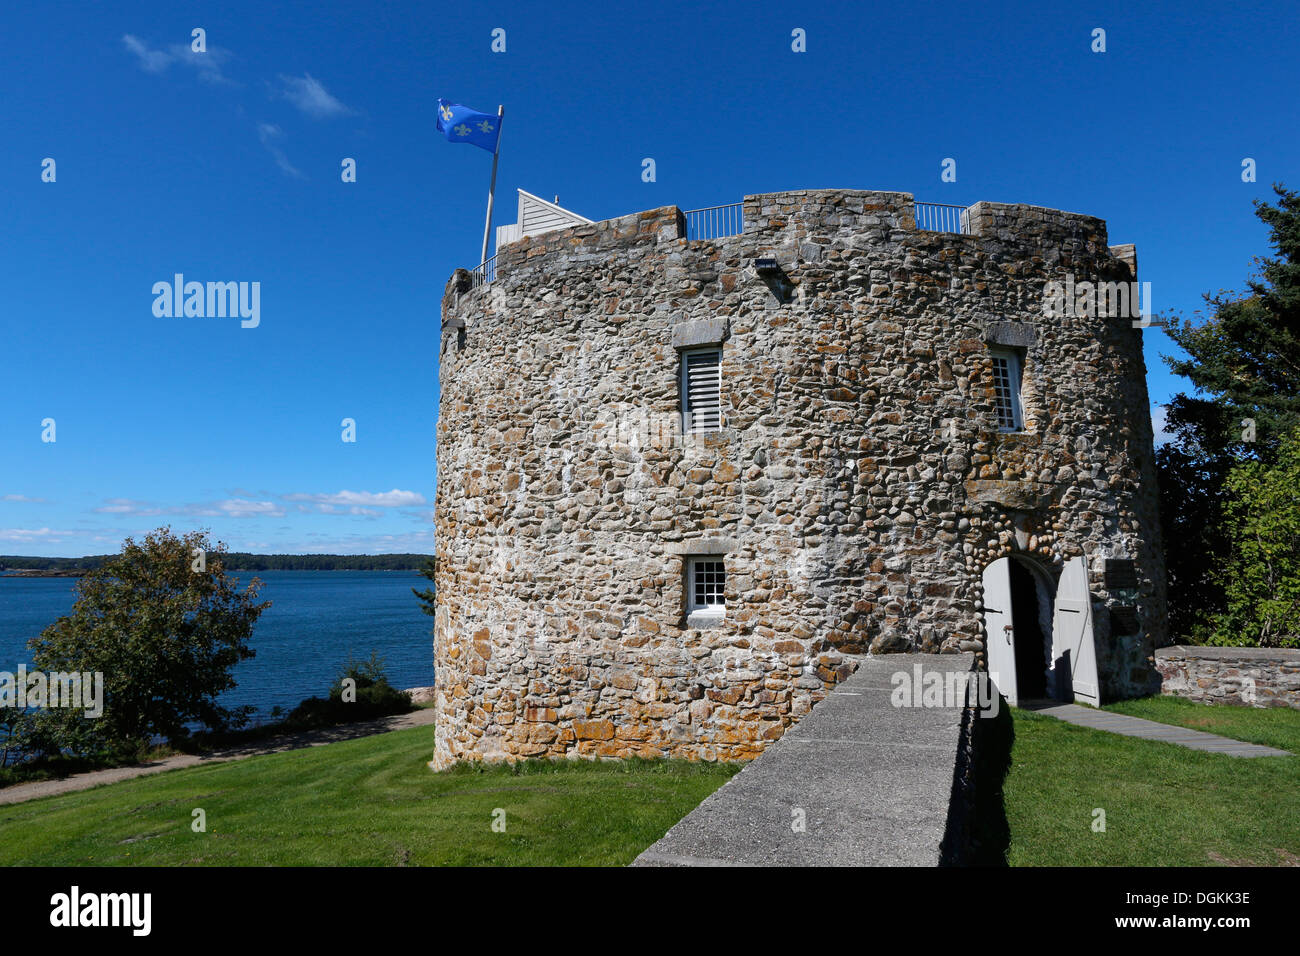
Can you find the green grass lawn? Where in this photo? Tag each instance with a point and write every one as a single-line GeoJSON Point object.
{"type": "Point", "coordinates": [371, 801]}
{"type": "Point", "coordinates": [1274, 727]}
{"type": "Point", "coordinates": [1165, 805]}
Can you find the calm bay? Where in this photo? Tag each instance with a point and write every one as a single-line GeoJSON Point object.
{"type": "Point", "coordinates": [316, 622]}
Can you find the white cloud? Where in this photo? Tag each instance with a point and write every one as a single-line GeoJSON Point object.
{"type": "Point", "coordinates": [382, 499]}
{"type": "Point", "coordinates": [22, 498]}
{"type": "Point", "coordinates": [33, 534]}
{"type": "Point", "coordinates": [307, 93]}
{"type": "Point", "coordinates": [206, 65]}
{"type": "Point", "coordinates": [229, 508]}
{"type": "Point", "coordinates": [270, 134]}
{"type": "Point", "coordinates": [416, 542]}
{"type": "Point", "coordinates": [245, 493]}
{"type": "Point", "coordinates": [153, 61]}
{"type": "Point", "coordinates": [336, 510]}
{"type": "Point", "coordinates": [368, 505]}
{"type": "Point", "coordinates": [125, 506]}
{"type": "Point", "coordinates": [237, 508]}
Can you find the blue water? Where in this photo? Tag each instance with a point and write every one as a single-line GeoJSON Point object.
{"type": "Point", "coordinates": [317, 619]}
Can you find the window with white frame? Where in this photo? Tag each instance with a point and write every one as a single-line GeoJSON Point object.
{"type": "Point", "coordinates": [701, 390]}
{"type": "Point", "coordinates": [706, 582]}
{"type": "Point", "coordinates": [1007, 368]}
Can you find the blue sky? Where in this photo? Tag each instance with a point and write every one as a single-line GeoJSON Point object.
{"type": "Point", "coordinates": [226, 167]}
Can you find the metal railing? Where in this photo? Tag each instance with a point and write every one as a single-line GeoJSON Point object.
{"type": "Point", "coordinates": [941, 217]}
{"type": "Point", "coordinates": [484, 274]}
{"type": "Point", "coordinates": [713, 222]}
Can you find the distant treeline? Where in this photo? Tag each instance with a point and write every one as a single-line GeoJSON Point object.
{"type": "Point", "coordinates": [240, 561]}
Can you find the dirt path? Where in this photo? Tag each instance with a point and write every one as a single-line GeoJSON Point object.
{"type": "Point", "coordinates": [312, 738]}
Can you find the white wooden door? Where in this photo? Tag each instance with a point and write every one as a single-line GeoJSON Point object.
{"type": "Point", "coordinates": [999, 638]}
{"type": "Point", "coordinates": [1072, 643]}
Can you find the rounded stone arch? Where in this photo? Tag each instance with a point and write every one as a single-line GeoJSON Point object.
{"type": "Point", "coordinates": [1044, 560]}
{"type": "Point", "coordinates": [1018, 620]}
{"type": "Point", "coordinates": [1046, 568]}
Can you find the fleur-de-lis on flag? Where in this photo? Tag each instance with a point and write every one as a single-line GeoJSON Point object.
{"type": "Point", "coordinates": [460, 124]}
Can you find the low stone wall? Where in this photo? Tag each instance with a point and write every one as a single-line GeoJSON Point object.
{"type": "Point", "coordinates": [1247, 676]}
{"type": "Point", "coordinates": [423, 695]}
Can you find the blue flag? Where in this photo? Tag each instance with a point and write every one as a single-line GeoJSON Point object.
{"type": "Point", "coordinates": [460, 124]}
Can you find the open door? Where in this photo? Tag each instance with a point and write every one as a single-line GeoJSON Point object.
{"type": "Point", "coordinates": [999, 637]}
{"type": "Point", "coordinates": [1074, 655]}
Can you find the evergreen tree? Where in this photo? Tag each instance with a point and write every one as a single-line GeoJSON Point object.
{"type": "Point", "coordinates": [428, 602]}
{"type": "Point", "coordinates": [1246, 359]}
{"type": "Point", "coordinates": [1244, 364]}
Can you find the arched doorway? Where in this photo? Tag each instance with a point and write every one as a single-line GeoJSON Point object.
{"type": "Point", "coordinates": [1038, 632]}
{"type": "Point", "coordinates": [1018, 611]}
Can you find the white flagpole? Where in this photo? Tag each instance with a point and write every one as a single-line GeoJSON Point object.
{"type": "Point", "coordinates": [487, 226]}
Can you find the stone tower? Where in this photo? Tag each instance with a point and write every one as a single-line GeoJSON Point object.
{"type": "Point", "coordinates": [683, 484]}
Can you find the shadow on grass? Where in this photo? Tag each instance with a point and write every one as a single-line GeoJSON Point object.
{"type": "Point", "coordinates": [978, 833]}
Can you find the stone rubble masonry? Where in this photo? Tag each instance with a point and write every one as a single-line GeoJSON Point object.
{"type": "Point", "coordinates": [1247, 676]}
{"type": "Point", "coordinates": [857, 490]}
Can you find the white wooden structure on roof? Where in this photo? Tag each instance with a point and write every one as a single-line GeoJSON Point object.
{"type": "Point", "coordinates": [537, 216]}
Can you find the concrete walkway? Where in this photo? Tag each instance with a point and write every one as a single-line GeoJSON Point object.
{"type": "Point", "coordinates": [312, 738]}
{"type": "Point", "coordinates": [857, 782]}
{"type": "Point", "coordinates": [1150, 730]}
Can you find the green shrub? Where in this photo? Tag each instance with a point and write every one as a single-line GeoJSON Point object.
{"type": "Point", "coordinates": [1262, 579]}
{"type": "Point", "coordinates": [165, 626]}
{"type": "Point", "coordinates": [360, 692]}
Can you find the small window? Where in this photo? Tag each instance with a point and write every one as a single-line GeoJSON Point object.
{"type": "Point", "coordinates": [701, 390]}
{"type": "Point", "coordinates": [706, 582]}
{"type": "Point", "coordinates": [1006, 385]}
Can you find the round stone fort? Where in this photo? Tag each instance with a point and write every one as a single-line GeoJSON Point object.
{"type": "Point", "coordinates": [684, 485]}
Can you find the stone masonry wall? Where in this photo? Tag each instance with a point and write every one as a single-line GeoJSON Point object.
{"type": "Point", "coordinates": [1249, 676]}
{"type": "Point", "coordinates": [857, 489]}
